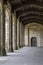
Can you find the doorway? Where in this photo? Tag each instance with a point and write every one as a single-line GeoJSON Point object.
{"type": "Point", "coordinates": [33, 42]}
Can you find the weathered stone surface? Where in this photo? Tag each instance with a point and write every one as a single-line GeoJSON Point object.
{"type": "Point", "coordinates": [21, 35]}
{"type": "Point", "coordinates": [35, 30]}
{"type": "Point", "coordinates": [2, 29]}
{"type": "Point", "coordinates": [14, 31]}
{"type": "Point", "coordinates": [18, 33]}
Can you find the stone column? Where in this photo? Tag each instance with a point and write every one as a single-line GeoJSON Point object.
{"type": "Point", "coordinates": [10, 31]}
{"type": "Point", "coordinates": [21, 35]}
{"type": "Point", "coordinates": [14, 31]}
{"type": "Point", "coordinates": [2, 30]}
{"type": "Point", "coordinates": [11, 41]}
{"type": "Point", "coordinates": [18, 33]}
{"type": "Point", "coordinates": [26, 37]}
{"type": "Point", "coordinates": [10, 44]}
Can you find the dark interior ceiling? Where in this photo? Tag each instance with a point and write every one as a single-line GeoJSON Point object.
{"type": "Point", "coordinates": [28, 10]}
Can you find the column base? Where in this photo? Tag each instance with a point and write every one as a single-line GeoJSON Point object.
{"type": "Point", "coordinates": [11, 50]}
{"type": "Point", "coordinates": [16, 48]}
{"type": "Point", "coordinates": [3, 53]}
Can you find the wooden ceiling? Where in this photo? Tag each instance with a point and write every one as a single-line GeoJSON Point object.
{"type": "Point", "coordinates": [28, 10]}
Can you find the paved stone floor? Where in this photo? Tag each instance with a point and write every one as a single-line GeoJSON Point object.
{"type": "Point", "coordinates": [24, 56]}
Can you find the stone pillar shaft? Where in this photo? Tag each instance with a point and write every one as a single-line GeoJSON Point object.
{"type": "Point", "coordinates": [10, 27]}
{"type": "Point", "coordinates": [10, 36]}
{"type": "Point", "coordinates": [14, 31]}
{"type": "Point", "coordinates": [18, 33]}
{"type": "Point", "coordinates": [21, 35]}
{"type": "Point", "coordinates": [26, 37]}
{"type": "Point", "coordinates": [2, 30]}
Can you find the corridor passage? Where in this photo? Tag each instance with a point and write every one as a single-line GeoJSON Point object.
{"type": "Point", "coordinates": [24, 56]}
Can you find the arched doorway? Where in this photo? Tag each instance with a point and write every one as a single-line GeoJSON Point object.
{"type": "Point", "coordinates": [34, 42]}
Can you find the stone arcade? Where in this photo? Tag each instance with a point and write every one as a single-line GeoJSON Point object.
{"type": "Point", "coordinates": [21, 24]}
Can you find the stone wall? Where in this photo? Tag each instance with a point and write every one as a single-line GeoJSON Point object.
{"type": "Point", "coordinates": [35, 30]}
{"type": "Point", "coordinates": [34, 33]}
{"type": "Point", "coordinates": [41, 38]}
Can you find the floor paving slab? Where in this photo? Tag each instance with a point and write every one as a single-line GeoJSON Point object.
{"type": "Point", "coordinates": [24, 56]}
